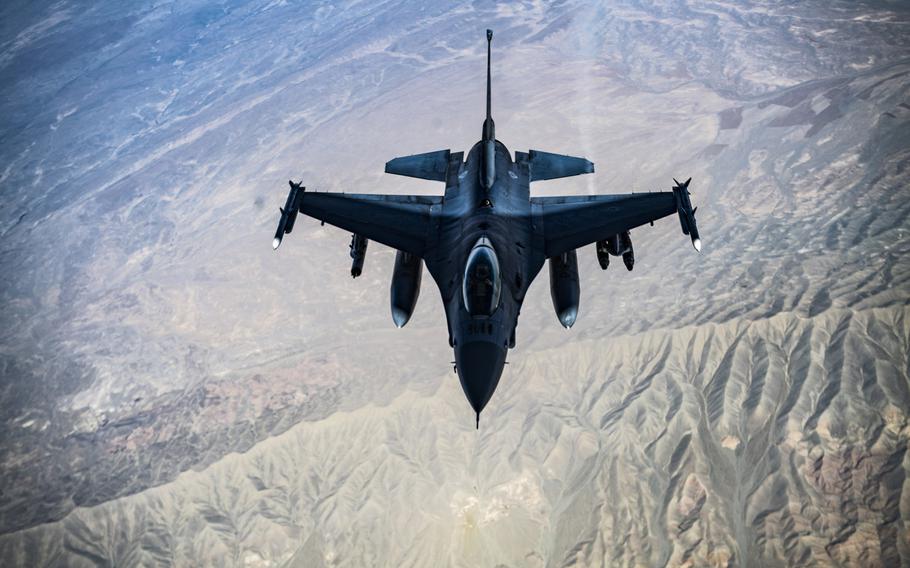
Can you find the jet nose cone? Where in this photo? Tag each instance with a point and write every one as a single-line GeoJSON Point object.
{"type": "Point", "coordinates": [479, 365]}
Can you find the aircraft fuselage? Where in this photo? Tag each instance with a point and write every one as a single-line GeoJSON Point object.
{"type": "Point", "coordinates": [501, 214]}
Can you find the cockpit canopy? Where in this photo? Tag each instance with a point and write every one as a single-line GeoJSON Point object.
{"type": "Point", "coordinates": [482, 283]}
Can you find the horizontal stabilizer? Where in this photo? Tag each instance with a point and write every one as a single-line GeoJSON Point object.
{"type": "Point", "coordinates": [431, 166]}
{"type": "Point", "coordinates": [545, 165]}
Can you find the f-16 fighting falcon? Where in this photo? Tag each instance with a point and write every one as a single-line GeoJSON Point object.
{"type": "Point", "coordinates": [485, 239]}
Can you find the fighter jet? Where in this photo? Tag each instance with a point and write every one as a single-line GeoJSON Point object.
{"type": "Point", "coordinates": [485, 239]}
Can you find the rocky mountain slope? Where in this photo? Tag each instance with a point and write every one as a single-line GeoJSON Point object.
{"type": "Point", "coordinates": [173, 392]}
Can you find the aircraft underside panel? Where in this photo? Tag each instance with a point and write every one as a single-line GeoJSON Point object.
{"type": "Point", "coordinates": [574, 221]}
{"type": "Point", "coordinates": [402, 222]}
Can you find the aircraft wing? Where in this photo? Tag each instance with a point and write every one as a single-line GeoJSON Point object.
{"type": "Point", "coordinates": [399, 221]}
{"type": "Point", "coordinates": [571, 222]}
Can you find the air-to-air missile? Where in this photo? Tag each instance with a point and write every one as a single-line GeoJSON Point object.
{"type": "Point", "coordinates": [358, 254]}
{"type": "Point", "coordinates": [603, 254]}
{"type": "Point", "coordinates": [628, 256]}
{"type": "Point", "coordinates": [288, 213]}
{"type": "Point", "coordinates": [686, 212]}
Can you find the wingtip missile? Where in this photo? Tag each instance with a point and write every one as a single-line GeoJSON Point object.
{"type": "Point", "coordinates": [288, 213]}
{"type": "Point", "coordinates": [681, 185]}
{"type": "Point", "coordinates": [686, 212]}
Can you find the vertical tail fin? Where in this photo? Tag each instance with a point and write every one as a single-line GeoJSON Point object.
{"type": "Point", "coordinates": [488, 160]}
{"type": "Point", "coordinates": [489, 129]}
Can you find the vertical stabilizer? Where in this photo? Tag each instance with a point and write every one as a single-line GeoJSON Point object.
{"type": "Point", "coordinates": [488, 172]}
{"type": "Point", "coordinates": [489, 129]}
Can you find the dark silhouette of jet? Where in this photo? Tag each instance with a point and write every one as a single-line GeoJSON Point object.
{"type": "Point", "coordinates": [486, 239]}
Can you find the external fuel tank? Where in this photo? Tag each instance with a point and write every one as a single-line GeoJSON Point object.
{"type": "Point", "coordinates": [405, 286]}
{"type": "Point", "coordinates": [564, 288]}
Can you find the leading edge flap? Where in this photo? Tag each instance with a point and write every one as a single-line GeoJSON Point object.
{"type": "Point", "coordinates": [431, 165]}
{"type": "Point", "coordinates": [545, 165]}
